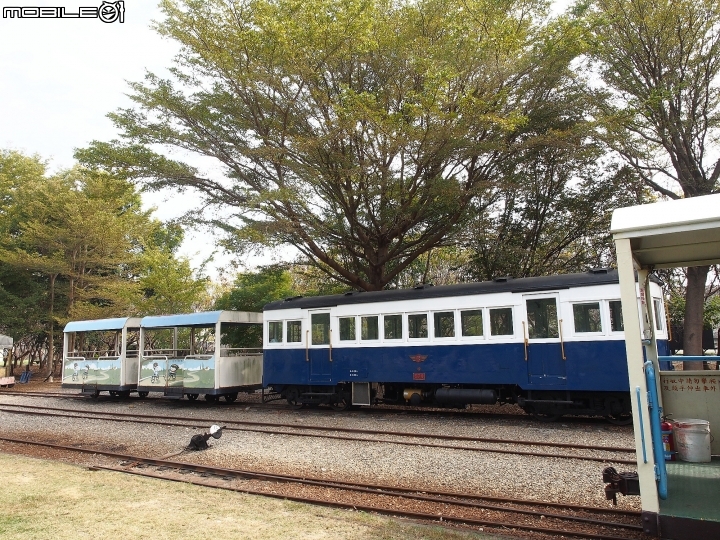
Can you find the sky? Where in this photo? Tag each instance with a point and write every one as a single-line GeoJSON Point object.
{"type": "Point", "coordinates": [60, 77]}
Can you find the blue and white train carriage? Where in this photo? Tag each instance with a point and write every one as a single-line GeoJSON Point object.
{"type": "Point", "coordinates": [554, 345]}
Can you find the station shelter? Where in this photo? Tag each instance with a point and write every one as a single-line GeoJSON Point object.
{"type": "Point", "coordinates": [680, 499]}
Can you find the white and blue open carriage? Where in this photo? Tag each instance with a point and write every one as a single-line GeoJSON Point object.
{"type": "Point", "coordinates": [101, 355]}
{"type": "Point", "coordinates": [215, 354]}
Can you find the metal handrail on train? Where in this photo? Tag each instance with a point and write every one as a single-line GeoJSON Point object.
{"type": "Point", "coordinates": [162, 352]}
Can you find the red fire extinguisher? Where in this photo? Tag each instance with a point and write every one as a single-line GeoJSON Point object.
{"type": "Point", "coordinates": [666, 428]}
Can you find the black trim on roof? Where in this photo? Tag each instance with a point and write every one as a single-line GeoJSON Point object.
{"type": "Point", "coordinates": [520, 285]}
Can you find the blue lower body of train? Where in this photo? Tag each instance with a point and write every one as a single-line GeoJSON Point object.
{"type": "Point", "coordinates": [544, 378]}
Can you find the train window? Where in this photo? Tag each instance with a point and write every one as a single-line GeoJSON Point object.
{"type": "Point", "coordinates": [587, 317]}
{"type": "Point", "coordinates": [542, 318]}
{"type": "Point", "coordinates": [320, 328]}
{"type": "Point", "coordinates": [393, 326]}
{"type": "Point", "coordinates": [616, 317]}
{"type": "Point", "coordinates": [501, 323]}
{"type": "Point", "coordinates": [445, 324]}
{"type": "Point", "coordinates": [417, 326]}
{"type": "Point", "coordinates": [369, 328]}
{"type": "Point", "coordinates": [294, 331]}
{"type": "Point", "coordinates": [472, 322]}
{"type": "Point", "coordinates": [657, 308]}
{"type": "Point", "coordinates": [347, 328]}
{"type": "Point", "coordinates": [275, 331]}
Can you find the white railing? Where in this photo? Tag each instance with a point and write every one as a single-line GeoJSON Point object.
{"type": "Point", "coordinates": [240, 352]}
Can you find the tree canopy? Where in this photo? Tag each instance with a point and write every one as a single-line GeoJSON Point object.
{"type": "Point", "coordinates": [359, 132]}
{"type": "Point", "coordinates": [78, 245]}
{"type": "Point", "coordinates": [659, 62]}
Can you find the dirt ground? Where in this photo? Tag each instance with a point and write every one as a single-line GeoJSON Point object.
{"type": "Point", "coordinates": [36, 383]}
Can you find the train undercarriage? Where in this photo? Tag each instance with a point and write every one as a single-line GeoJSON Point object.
{"type": "Point", "coordinates": [545, 404]}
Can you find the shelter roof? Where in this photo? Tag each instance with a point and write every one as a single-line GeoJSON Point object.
{"type": "Point", "coordinates": [669, 234]}
{"type": "Point", "coordinates": [103, 324]}
{"type": "Point", "coordinates": [201, 319]}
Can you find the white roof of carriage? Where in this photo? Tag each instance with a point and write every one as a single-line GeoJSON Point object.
{"type": "Point", "coordinates": [669, 234]}
{"type": "Point", "coordinates": [5, 341]}
{"type": "Point", "coordinates": [205, 318]}
{"type": "Point", "coordinates": [103, 324]}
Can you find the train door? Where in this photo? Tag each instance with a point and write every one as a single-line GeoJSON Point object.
{"type": "Point", "coordinates": [543, 341]}
{"type": "Point", "coordinates": [319, 347]}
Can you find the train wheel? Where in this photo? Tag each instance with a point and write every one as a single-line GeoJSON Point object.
{"type": "Point", "coordinates": [620, 419]}
{"type": "Point", "coordinates": [113, 393]}
{"type": "Point", "coordinates": [342, 404]}
{"type": "Point", "coordinates": [231, 397]}
{"type": "Point", "coordinates": [143, 394]}
{"type": "Point", "coordinates": [124, 393]}
{"type": "Point", "coordinates": [210, 397]}
{"type": "Point", "coordinates": [542, 416]}
{"type": "Point", "coordinates": [292, 396]}
{"type": "Point", "coordinates": [192, 397]}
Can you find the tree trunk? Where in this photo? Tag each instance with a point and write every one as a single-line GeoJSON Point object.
{"type": "Point", "coordinates": [694, 307]}
{"type": "Point", "coordinates": [51, 345]}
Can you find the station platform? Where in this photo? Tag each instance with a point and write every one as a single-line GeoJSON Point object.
{"type": "Point", "coordinates": [693, 500]}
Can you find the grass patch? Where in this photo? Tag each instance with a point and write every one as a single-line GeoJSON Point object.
{"type": "Point", "coordinates": [54, 501]}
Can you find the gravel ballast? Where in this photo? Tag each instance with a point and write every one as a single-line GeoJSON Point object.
{"type": "Point", "coordinates": [572, 481]}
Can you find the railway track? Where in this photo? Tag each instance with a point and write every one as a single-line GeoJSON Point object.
{"type": "Point", "coordinates": [512, 413]}
{"type": "Point", "coordinates": [453, 508]}
{"type": "Point", "coordinates": [608, 454]}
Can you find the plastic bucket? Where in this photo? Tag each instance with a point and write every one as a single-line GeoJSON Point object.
{"type": "Point", "coordinates": [692, 440]}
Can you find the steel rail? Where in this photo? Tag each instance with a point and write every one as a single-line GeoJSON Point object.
{"type": "Point", "coordinates": [160, 420]}
{"type": "Point", "coordinates": [324, 482]}
{"type": "Point", "coordinates": [388, 511]}
{"type": "Point", "coordinates": [407, 493]}
{"type": "Point", "coordinates": [386, 408]}
{"type": "Point", "coordinates": [369, 432]}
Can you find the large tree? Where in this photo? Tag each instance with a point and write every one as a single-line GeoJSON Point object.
{"type": "Point", "coordinates": [358, 131]}
{"type": "Point", "coordinates": [660, 64]}
{"type": "Point", "coordinates": [78, 245]}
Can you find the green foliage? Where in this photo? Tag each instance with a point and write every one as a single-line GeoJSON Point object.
{"type": "Point", "coordinates": [711, 312]}
{"type": "Point", "coordinates": [661, 111]}
{"type": "Point", "coordinates": [660, 107]}
{"type": "Point", "coordinates": [252, 290]}
{"type": "Point", "coordinates": [168, 284]}
{"type": "Point", "coordinates": [359, 132]}
{"type": "Point", "coordinates": [77, 245]}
